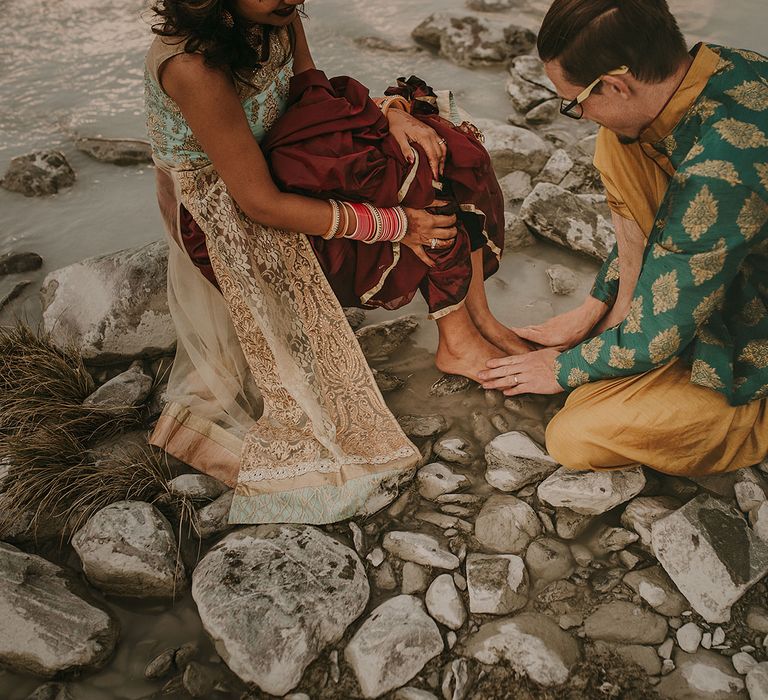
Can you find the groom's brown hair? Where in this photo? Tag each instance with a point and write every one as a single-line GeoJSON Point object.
{"type": "Point", "coordinates": [591, 37]}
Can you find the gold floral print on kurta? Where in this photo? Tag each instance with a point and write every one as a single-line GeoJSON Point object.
{"type": "Point", "coordinates": [591, 349]}
{"type": "Point", "coordinates": [705, 374]}
{"type": "Point", "coordinates": [716, 169]}
{"type": "Point", "coordinates": [751, 94]}
{"type": "Point", "coordinates": [666, 292]}
{"type": "Point", "coordinates": [707, 305]}
{"type": "Point", "coordinates": [664, 345]}
{"type": "Point", "coordinates": [704, 109]}
{"type": "Point", "coordinates": [755, 353]}
{"type": "Point", "coordinates": [753, 312]}
{"type": "Point", "coordinates": [762, 173]}
{"type": "Point", "coordinates": [577, 377]}
{"type": "Point", "coordinates": [753, 216]}
{"type": "Point", "coordinates": [741, 134]}
{"type": "Point", "coordinates": [622, 358]}
{"type": "Point", "coordinates": [701, 214]}
{"type": "Point", "coordinates": [751, 56]}
{"type": "Point", "coordinates": [705, 266]}
{"type": "Point", "coordinates": [634, 319]}
{"type": "Point", "coordinates": [613, 273]}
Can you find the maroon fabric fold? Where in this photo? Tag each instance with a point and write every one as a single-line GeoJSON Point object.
{"type": "Point", "coordinates": [333, 141]}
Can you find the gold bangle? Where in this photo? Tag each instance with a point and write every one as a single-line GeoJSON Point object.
{"type": "Point", "coordinates": [395, 102]}
{"type": "Point", "coordinates": [335, 219]}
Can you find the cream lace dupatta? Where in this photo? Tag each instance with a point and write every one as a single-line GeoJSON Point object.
{"type": "Point", "coordinates": [325, 447]}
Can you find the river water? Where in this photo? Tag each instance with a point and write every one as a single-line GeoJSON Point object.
{"type": "Point", "coordinates": [74, 67]}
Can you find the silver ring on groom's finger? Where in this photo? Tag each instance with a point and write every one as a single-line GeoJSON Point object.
{"type": "Point", "coordinates": [433, 243]}
{"type": "Point", "coordinates": [441, 141]}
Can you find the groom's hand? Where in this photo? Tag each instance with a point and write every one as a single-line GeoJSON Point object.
{"type": "Point", "coordinates": [565, 330]}
{"type": "Point", "coordinates": [532, 373]}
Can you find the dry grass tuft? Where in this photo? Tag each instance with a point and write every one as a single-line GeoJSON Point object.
{"type": "Point", "coordinates": [46, 436]}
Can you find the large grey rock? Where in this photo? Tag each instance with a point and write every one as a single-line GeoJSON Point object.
{"type": "Point", "coordinates": [560, 216]}
{"type": "Point", "coordinates": [492, 5]}
{"type": "Point", "coordinates": [655, 588]}
{"type": "Point", "coordinates": [514, 461]}
{"type": "Point", "coordinates": [626, 623]}
{"type": "Point", "coordinates": [497, 583]}
{"type": "Point", "coordinates": [129, 549]}
{"type": "Point", "coordinates": [444, 602]}
{"type": "Point", "coordinates": [436, 479]}
{"type": "Point", "coordinates": [557, 167]}
{"type": "Point", "coordinates": [380, 340]}
{"type": "Point", "coordinates": [757, 682]}
{"type": "Point", "coordinates": [591, 493]}
{"type": "Point", "coordinates": [273, 597]}
{"type": "Point", "coordinates": [450, 384]}
{"type": "Point", "coordinates": [524, 95]}
{"type": "Point", "coordinates": [643, 511]}
{"type": "Point", "coordinates": [420, 548]}
{"type": "Point", "coordinates": [112, 307]}
{"type": "Point", "coordinates": [127, 389]}
{"type": "Point", "coordinates": [39, 173]}
{"type": "Point", "coordinates": [530, 68]}
{"type": "Point", "coordinates": [704, 675]}
{"type": "Point", "coordinates": [532, 644]}
{"type": "Point", "coordinates": [706, 535]}
{"type": "Point", "coordinates": [513, 148]}
{"type": "Point", "coordinates": [515, 186]}
{"type": "Point", "coordinates": [393, 644]}
{"type": "Point", "coordinates": [116, 151]}
{"type": "Point", "coordinates": [516, 233]}
{"type": "Point", "coordinates": [47, 626]}
{"type": "Point", "coordinates": [469, 40]}
{"type": "Point", "coordinates": [506, 524]}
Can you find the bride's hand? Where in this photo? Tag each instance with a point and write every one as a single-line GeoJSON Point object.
{"type": "Point", "coordinates": [407, 130]}
{"type": "Point", "coordinates": [426, 230]}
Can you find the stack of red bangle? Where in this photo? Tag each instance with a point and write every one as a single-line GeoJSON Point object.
{"type": "Point", "coordinates": [377, 224]}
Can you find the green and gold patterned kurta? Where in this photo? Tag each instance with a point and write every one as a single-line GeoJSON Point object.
{"type": "Point", "coordinates": [702, 292]}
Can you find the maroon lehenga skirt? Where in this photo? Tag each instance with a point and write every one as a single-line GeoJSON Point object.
{"type": "Point", "coordinates": [333, 141]}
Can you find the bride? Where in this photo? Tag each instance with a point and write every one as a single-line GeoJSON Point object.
{"type": "Point", "coordinates": [269, 391]}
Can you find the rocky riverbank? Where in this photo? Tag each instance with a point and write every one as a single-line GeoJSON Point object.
{"type": "Point", "coordinates": [495, 574]}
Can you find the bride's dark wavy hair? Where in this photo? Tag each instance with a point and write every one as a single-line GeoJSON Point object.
{"type": "Point", "coordinates": [201, 23]}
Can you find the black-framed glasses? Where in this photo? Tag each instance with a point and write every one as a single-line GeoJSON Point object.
{"type": "Point", "coordinates": [574, 108]}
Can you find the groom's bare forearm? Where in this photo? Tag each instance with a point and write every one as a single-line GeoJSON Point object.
{"type": "Point", "coordinates": [631, 244]}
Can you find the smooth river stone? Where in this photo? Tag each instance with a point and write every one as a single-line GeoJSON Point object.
{"type": "Point", "coordinates": [437, 479]}
{"type": "Point", "coordinates": [531, 643]}
{"type": "Point", "coordinates": [420, 548]}
{"type": "Point", "coordinates": [706, 535]}
{"type": "Point", "coordinates": [506, 524]}
{"type": "Point", "coordinates": [705, 675]}
{"type": "Point", "coordinates": [626, 623]}
{"type": "Point", "coordinates": [497, 583]}
{"type": "Point", "coordinates": [514, 461]}
{"type": "Point", "coordinates": [591, 492]}
{"type": "Point", "coordinates": [393, 644]}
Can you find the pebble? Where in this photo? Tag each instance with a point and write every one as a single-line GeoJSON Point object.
{"type": "Point", "coordinates": [666, 647]}
{"type": "Point", "coordinates": [706, 640]}
{"type": "Point", "coordinates": [689, 637]}
{"type": "Point", "coordinates": [757, 682]}
{"type": "Point", "coordinates": [419, 548]}
{"type": "Point", "coordinates": [548, 560]}
{"type": "Point", "coordinates": [437, 479]}
{"type": "Point", "coordinates": [454, 449]}
{"type": "Point", "coordinates": [376, 557]}
{"type": "Point", "coordinates": [427, 426]}
{"type": "Point", "coordinates": [415, 578]}
{"type": "Point", "coordinates": [743, 662]}
{"type": "Point", "coordinates": [506, 524]}
{"type": "Point", "coordinates": [497, 584]}
{"type": "Point", "coordinates": [444, 602]}
{"type": "Point", "coordinates": [450, 384]}
{"type": "Point", "coordinates": [718, 636]}
{"type": "Point", "coordinates": [514, 461]}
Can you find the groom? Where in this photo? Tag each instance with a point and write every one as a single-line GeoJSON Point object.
{"type": "Point", "coordinates": [667, 360]}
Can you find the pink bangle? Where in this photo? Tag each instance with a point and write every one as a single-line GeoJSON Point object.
{"type": "Point", "coordinates": [378, 224]}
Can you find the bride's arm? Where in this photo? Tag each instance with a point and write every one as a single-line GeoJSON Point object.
{"type": "Point", "coordinates": [302, 58]}
{"type": "Point", "coordinates": [209, 102]}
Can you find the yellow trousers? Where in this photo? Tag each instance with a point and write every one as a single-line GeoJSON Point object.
{"type": "Point", "coordinates": [659, 419]}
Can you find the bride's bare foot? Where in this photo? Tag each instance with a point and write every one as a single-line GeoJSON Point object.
{"type": "Point", "coordinates": [503, 338]}
{"type": "Point", "coordinates": [466, 357]}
